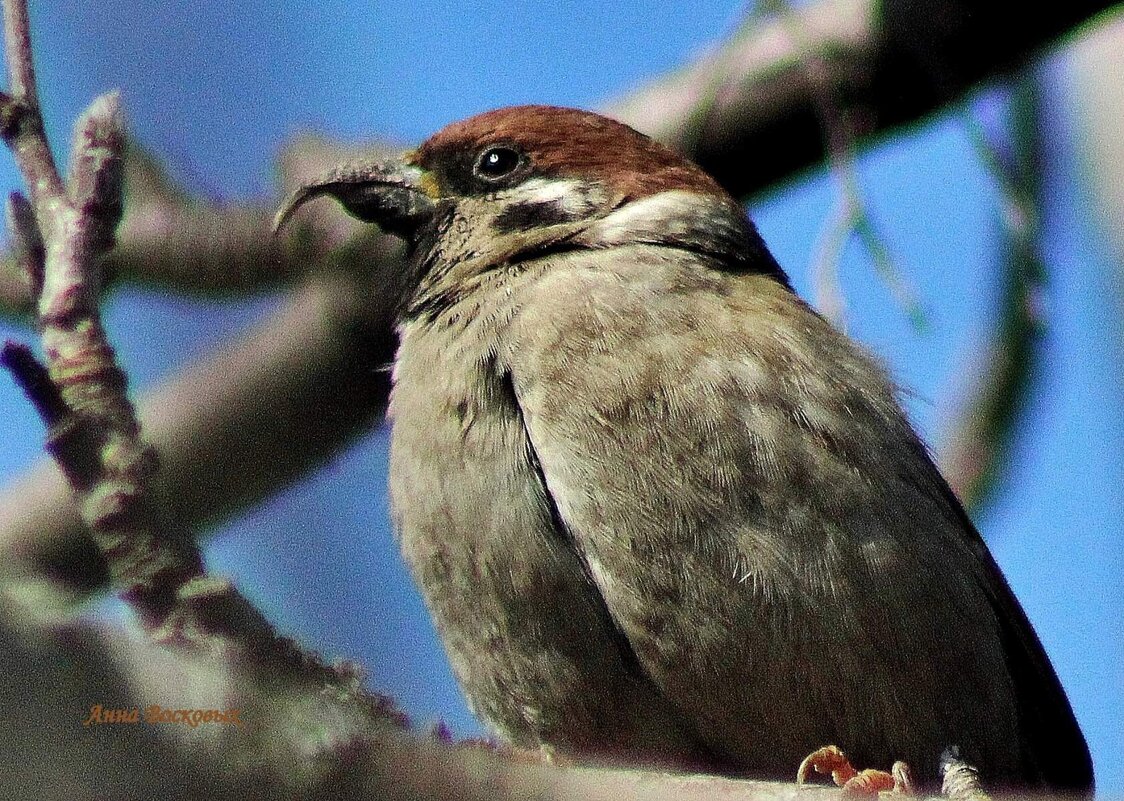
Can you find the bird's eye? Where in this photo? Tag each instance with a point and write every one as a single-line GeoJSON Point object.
{"type": "Point", "coordinates": [497, 162]}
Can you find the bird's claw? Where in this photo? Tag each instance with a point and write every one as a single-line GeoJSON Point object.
{"type": "Point", "coordinates": [864, 783]}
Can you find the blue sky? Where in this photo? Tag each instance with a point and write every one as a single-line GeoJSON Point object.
{"type": "Point", "coordinates": [214, 87]}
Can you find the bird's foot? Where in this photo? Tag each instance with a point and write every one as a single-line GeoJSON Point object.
{"type": "Point", "coordinates": [864, 783]}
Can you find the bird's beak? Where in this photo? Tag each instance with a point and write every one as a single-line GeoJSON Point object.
{"type": "Point", "coordinates": [390, 194]}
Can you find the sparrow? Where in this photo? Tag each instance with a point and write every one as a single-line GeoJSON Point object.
{"type": "Point", "coordinates": [659, 509]}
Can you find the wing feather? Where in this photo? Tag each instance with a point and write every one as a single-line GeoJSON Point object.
{"type": "Point", "coordinates": [768, 533]}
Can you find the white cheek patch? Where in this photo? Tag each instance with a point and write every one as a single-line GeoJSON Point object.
{"type": "Point", "coordinates": [543, 190]}
{"type": "Point", "coordinates": [672, 215]}
{"type": "Point", "coordinates": [693, 221]}
{"type": "Point", "coordinates": [575, 198]}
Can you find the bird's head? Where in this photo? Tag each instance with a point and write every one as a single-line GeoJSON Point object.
{"type": "Point", "coordinates": [517, 184]}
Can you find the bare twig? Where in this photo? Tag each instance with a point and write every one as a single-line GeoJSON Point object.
{"type": "Point", "coordinates": [197, 247]}
{"type": "Point", "coordinates": [21, 123]}
{"type": "Point", "coordinates": [838, 126]}
{"type": "Point", "coordinates": [192, 246]}
{"type": "Point", "coordinates": [28, 252]}
{"type": "Point", "coordinates": [92, 429]}
{"type": "Point", "coordinates": [15, 290]}
{"type": "Point", "coordinates": [760, 126]}
{"type": "Point", "coordinates": [35, 382]}
{"type": "Point", "coordinates": [979, 439]}
{"type": "Point", "coordinates": [17, 45]}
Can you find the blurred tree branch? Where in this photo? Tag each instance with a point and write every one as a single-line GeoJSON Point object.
{"type": "Point", "coordinates": [249, 418]}
{"type": "Point", "coordinates": [892, 62]}
{"type": "Point", "coordinates": [1096, 65]}
{"type": "Point", "coordinates": [976, 448]}
{"type": "Point", "coordinates": [289, 743]}
{"type": "Point", "coordinates": [889, 63]}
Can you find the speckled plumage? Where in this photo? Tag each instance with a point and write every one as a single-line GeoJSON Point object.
{"type": "Point", "coordinates": [661, 510]}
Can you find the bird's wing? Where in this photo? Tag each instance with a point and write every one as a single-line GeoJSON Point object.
{"type": "Point", "coordinates": [767, 531]}
{"type": "Point", "coordinates": [1054, 748]}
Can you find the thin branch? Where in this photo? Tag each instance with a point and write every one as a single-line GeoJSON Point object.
{"type": "Point", "coordinates": [897, 60]}
{"type": "Point", "coordinates": [979, 439]}
{"type": "Point", "coordinates": [15, 290]}
{"type": "Point", "coordinates": [170, 240]}
{"type": "Point", "coordinates": [22, 122]}
{"type": "Point", "coordinates": [17, 46]}
{"type": "Point", "coordinates": [92, 429]}
{"type": "Point", "coordinates": [841, 128]}
{"type": "Point", "coordinates": [28, 252]}
{"type": "Point", "coordinates": [902, 291]}
{"type": "Point", "coordinates": [826, 256]}
{"type": "Point", "coordinates": [35, 382]}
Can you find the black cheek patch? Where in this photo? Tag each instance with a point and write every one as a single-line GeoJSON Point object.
{"type": "Point", "coordinates": [528, 215]}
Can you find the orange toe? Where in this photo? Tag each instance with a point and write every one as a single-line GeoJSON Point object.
{"type": "Point", "coordinates": [867, 783]}
{"type": "Point", "coordinates": [831, 760]}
